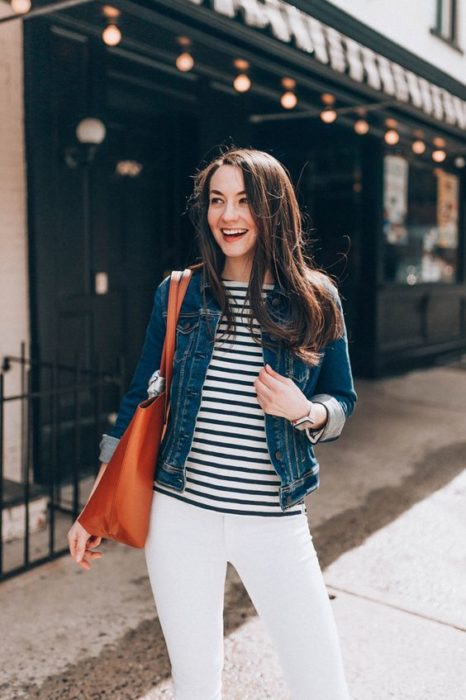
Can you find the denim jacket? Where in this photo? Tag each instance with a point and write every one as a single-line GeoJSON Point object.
{"type": "Point", "coordinates": [291, 450]}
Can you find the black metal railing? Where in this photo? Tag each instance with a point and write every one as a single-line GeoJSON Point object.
{"type": "Point", "coordinates": [49, 433]}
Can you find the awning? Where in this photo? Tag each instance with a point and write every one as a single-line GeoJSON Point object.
{"type": "Point", "coordinates": [344, 55]}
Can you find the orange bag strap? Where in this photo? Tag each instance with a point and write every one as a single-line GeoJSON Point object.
{"type": "Point", "coordinates": [179, 280]}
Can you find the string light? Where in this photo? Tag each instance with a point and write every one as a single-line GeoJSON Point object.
{"type": "Point", "coordinates": [288, 100]}
{"type": "Point", "coordinates": [418, 147]}
{"type": "Point", "coordinates": [327, 99]}
{"type": "Point", "coordinates": [391, 137]}
{"type": "Point", "coordinates": [328, 115]}
{"type": "Point", "coordinates": [242, 82]}
{"type": "Point", "coordinates": [439, 156]}
{"type": "Point", "coordinates": [21, 6]}
{"type": "Point", "coordinates": [184, 61]}
{"type": "Point", "coordinates": [361, 126]}
{"type": "Point", "coordinates": [111, 35]}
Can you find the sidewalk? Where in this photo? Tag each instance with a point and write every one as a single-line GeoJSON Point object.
{"type": "Point", "coordinates": [389, 525]}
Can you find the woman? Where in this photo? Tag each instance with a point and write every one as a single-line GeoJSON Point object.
{"type": "Point", "coordinates": [261, 373]}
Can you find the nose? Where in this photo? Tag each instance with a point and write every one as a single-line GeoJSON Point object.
{"type": "Point", "coordinates": [230, 212]}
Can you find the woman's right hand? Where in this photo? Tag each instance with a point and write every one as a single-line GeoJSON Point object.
{"type": "Point", "coordinates": [81, 543]}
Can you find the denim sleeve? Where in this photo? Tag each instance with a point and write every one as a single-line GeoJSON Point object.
{"type": "Point", "coordinates": [335, 387]}
{"type": "Point", "coordinates": [148, 362]}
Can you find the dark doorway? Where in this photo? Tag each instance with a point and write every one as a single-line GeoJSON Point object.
{"type": "Point", "coordinates": [100, 241]}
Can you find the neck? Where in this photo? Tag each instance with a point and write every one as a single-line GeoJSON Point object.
{"type": "Point", "coordinates": [236, 271]}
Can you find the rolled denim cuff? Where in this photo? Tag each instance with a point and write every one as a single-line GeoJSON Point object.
{"type": "Point", "coordinates": [108, 445]}
{"type": "Point", "coordinates": [336, 418]}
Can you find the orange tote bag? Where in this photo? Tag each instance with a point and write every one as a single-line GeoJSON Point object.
{"type": "Point", "coordinates": [119, 508]}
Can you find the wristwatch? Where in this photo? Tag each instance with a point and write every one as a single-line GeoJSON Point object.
{"type": "Point", "coordinates": [307, 420]}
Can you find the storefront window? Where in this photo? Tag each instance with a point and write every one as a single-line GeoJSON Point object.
{"type": "Point", "coordinates": [420, 222]}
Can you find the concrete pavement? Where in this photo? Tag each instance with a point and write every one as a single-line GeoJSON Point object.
{"type": "Point", "coordinates": [389, 525]}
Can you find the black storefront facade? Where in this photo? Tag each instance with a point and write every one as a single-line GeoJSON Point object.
{"type": "Point", "coordinates": [388, 223]}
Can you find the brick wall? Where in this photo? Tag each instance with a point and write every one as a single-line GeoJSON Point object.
{"type": "Point", "coordinates": [14, 306]}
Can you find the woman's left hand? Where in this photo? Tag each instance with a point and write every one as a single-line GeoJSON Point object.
{"type": "Point", "coordinates": [279, 395]}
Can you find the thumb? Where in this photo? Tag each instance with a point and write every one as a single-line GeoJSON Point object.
{"type": "Point", "coordinates": [80, 549]}
{"type": "Point", "coordinates": [271, 371]}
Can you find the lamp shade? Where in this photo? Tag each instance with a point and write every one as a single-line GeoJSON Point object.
{"type": "Point", "coordinates": [90, 131]}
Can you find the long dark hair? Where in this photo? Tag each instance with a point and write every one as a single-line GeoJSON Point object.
{"type": "Point", "coordinates": [314, 318]}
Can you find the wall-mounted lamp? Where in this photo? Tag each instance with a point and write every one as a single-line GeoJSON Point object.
{"type": "Point", "coordinates": [128, 168]}
{"type": "Point", "coordinates": [90, 133]}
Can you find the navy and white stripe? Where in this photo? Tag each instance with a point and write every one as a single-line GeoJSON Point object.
{"type": "Point", "coordinates": [228, 468]}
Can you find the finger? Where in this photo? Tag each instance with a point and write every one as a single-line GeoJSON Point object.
{"type": "Point", "coordinates": [80, 549]}
{"type": "Point", "coordinates": [276, 375]}
{"type": "Point", "coordinates": [94, 541]}
{"type": "Point", "coordinates": [270, 380]}
{"type": "Point", "coordinates": [72, 545]}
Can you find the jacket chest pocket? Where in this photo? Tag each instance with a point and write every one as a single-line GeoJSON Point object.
{"type": "Point", "coordinates": [297, 369]}
{"type": "Point", "coordinates": [186, 333]}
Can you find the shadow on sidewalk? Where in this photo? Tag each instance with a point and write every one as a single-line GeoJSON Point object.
{"type": "Point", "coordinates": [351, 527]}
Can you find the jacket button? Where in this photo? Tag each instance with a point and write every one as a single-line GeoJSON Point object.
{"type": "Point", "coordinates": [279, 455]}
{"type": "Point", "coordinates": [275, 301]}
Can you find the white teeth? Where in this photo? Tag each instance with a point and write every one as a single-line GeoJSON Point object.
{"type": "Point", "coordinates": [232, 231]}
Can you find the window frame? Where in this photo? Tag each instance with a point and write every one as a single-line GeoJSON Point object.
{"type": "Point", "coordinates": [450, 36]}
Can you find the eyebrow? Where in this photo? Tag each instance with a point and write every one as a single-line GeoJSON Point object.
{"type": "Point", "coordinates": [218, 192]}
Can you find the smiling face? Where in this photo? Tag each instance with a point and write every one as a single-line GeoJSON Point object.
{"type": "Point", "coordinates": [230, 218]}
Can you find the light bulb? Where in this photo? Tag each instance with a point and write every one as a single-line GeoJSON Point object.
{"type": "Point", "coordinates": [288, 100]}
{"type": "Point", "coordinates": [242, 83]}
{"type": "Point", "coordinates": [184, 62]}
{"type": "Point", "coordinates": [328, 115]}
{"type": "Point", "coordinates": [418, 147]}
{"type": "Point", "coordinates": [460, 162]}
{"type": "Point", "coordinates": [111, 35]}
{"type": "Point", "coordinates": [391, 137]}
{"type": "Point", "coordinates": [439, 156]}
{"type": "Point", "coordinates": [288, 83]}
{"type": "Point", "coordinates": [91, 130]}
{"type": "Point", "coordinates": [327, 98]}
{"type": "Point", "coordinates": [21, 6]}
{"type": "Point", "coordinates": [361, 126]}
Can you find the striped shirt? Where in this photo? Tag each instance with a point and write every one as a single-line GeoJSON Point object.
{"type": "Point", "coordinates": [228, 468]}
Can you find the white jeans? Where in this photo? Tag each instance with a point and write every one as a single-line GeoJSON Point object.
{"type": "Point", "coordinates": [187, 551]}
